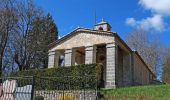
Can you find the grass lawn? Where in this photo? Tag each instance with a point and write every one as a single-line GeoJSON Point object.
{"type": "Point", "coordinates": [153, 92]}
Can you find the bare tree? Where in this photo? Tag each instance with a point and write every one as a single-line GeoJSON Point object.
{"type": "Point", "coordinates": [8, 20]}
{"type": "Point", "coordinates": [149, 47]}
{"type": "Point", "coordinates": [34, 33]}
{"type": "Point", "coordinates": [27, 13]}
{"type": "Point", "coordinates": [24, 35]}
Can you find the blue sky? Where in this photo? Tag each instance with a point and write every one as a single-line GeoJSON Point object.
{"type": "Point", "coordinates": [123, 15]}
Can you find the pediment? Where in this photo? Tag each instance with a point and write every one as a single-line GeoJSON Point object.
{"type": "Point", "coordinates": [83, 39]}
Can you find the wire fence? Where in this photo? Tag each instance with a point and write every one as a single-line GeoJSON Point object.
{"type": "Point", "coordinates": [49, 88]}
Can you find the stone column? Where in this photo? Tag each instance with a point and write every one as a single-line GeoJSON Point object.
{"type": "Point", "coordinates": [90, 56]}
{"type": "Point", "coordinates": [57, 56]}
{"type": "Point", "coordinates": [68, 56]}
{"type": "Point", "coordinates": [111, 66]}
{"type": "Point", "coordinates": [94, 53]}
{"type": "Point", "coordinates": [51, 59]}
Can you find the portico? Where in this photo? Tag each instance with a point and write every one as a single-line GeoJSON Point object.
{"type": "Point", "coordinates": [105, 54]}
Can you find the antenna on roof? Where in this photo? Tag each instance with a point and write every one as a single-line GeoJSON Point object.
{"type": "Point", "coordinates": [102, 19]}
{"type": "Point", "coordinates": [95, 17]}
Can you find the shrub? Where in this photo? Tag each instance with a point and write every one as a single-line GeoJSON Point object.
{"type": "Point", "coordinates": [80, 76]}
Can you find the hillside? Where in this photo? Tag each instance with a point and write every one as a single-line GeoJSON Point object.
{"type": "Point", "coordinates": [154, 92]}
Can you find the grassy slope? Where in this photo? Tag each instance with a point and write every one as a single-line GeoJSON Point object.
{"type": "Point", "coordinates": [154, 92]}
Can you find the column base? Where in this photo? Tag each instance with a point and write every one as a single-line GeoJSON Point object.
{"type": "Point", "coordinates": [110, 86]}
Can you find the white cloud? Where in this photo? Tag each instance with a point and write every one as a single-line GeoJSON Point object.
{"type": "Point", "coordinates": [155, 22]}
{"type": "Point", "coordinates": [157, 6]}
{"type": "Point", "coordinates": [131, 21]}
{"type": "Point", "coordinates": [159, 10]}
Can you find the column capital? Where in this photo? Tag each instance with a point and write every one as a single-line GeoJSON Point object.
{"type": "Point", "coordinates": [68, 51]}
{"type": "Point", "coordinates": [110, 45]}
{"type": "Point", "coordinates": [89, 48]}
{"type": "Point", "coordinates": [51, 53]}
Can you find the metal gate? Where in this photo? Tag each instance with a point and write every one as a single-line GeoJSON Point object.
{"type": "Point", "coordinates": [16, 88]}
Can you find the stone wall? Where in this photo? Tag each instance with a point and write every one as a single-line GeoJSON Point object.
{"type": "Point", "coordinates": [141, 73]}
{"type": "Point", "coordinates": [127, 74]}
{"type": "Point", "coordinates": [123, 72]}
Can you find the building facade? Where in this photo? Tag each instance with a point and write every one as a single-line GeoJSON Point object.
{"type": "Point", "coordinates": [122, 66]}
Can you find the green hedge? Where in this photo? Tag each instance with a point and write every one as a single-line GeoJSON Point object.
{"type": "Point", "coordinates": [79, 76]}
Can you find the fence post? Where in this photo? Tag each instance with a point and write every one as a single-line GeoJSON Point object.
{"type": "Point", "coordinates": [33, 84]}
{"type": "Point", "coordinates": [84, 91]}
{"type": "Point", "coordinates": [97, 93]}
{"type": "Point", "coordinates": [63, 91]}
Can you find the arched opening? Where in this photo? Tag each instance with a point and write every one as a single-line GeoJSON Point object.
{"type": "Point", "coordinates": [101, 28]}
{"type": "Point", "coordinates": [78, 56]}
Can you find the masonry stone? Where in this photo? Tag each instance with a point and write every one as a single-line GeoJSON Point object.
{"type": "Point", "coordinates": [84, 39]}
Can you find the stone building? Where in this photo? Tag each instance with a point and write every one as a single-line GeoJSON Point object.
{"type": "Point", "coordinates": [122, 66]}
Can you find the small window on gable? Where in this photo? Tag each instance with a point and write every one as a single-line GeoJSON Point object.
{"type": "Point", "coordinates": [101, 28]}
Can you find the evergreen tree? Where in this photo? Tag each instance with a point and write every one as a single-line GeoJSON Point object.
{"type": "Point", "coordinates": [44, 32]}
